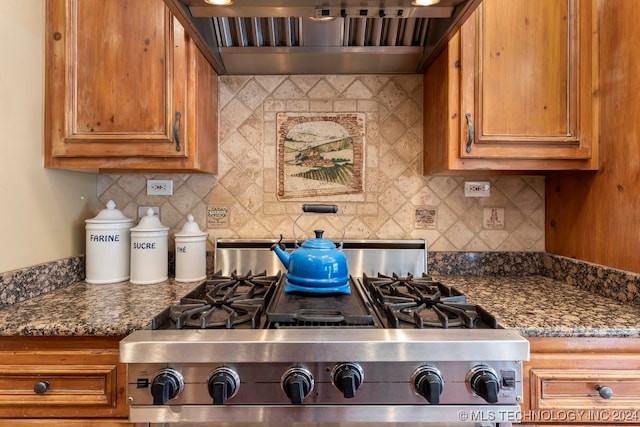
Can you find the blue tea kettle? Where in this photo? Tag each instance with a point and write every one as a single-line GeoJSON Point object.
{"type": "Point", "coordinates": [316, 266]}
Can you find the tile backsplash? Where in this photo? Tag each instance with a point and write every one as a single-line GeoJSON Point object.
{"type": "Point", "coordinates": [398, 202]}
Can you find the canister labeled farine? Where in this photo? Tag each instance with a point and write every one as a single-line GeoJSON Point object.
{"type": "Point", "coordinates": [149, 251]}
{"type": "Point", "coordinates": [107, 246]}
{"type": "Point", "coordinates": [191, 252]}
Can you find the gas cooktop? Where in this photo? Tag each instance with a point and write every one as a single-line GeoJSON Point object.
{"type": "Point", "coordinates": [401, 349]}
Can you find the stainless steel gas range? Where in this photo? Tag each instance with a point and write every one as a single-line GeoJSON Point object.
{"type": "Point", "coordinates": [400, 350]}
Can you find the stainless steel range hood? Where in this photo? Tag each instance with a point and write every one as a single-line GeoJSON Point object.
{"type": "Point", "coordinates": [253, 37]}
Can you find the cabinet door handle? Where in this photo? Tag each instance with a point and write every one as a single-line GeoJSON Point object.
{"type": "Point", "coordinates": [470, 132]}
{"type": "Point", "coordinates": [176, 130]}
{"type": "Point", "coordinates": [604, 391]}
{"type": "Point", "coordinates": [41, 387]}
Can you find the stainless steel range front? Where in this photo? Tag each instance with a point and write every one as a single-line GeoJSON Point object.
{"type": "Point", "coordinates": [399, 350]}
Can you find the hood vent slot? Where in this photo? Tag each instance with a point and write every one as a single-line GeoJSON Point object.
{"type": "Point", "coordinates": [300, 32]}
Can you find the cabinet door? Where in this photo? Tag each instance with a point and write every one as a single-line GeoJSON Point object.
{"type": "Point", "coordinates": [112, 66]}
{"type": "Point", "coordinates": [527, 82]}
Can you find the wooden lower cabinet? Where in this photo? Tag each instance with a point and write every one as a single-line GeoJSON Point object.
{"type": "Point", "coordinates": [62, 381]}
{"type": "Point", "coordinates": [582, 381]}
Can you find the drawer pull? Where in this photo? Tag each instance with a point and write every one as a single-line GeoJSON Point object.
{"type": "Point", "coordinates": [41, 387]}
{"type": "Point", "coordinates": [604, 391]}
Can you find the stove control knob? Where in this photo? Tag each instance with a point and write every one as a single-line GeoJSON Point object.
{"type": "Point", "coordinates": [166, 385]}
{"type": "Point", "coordinates": [297, 384]}
{"type": "Point", "coordinates": [347, 378]}
{"type": "Point", "coordinates": [484, 382]}
{"type": "Point", "coordinates": [223, 384]}
{"type": "Point", "coordinates": [427, 382]}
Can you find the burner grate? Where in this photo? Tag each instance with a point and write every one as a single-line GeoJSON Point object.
{"type": "Point", "coordinates": [233, 301]}
{"type": "Point", "coordinates": [420, 302]}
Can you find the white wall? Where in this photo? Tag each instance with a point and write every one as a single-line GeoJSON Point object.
{"type": "Point", "coordinates": [42, 211]}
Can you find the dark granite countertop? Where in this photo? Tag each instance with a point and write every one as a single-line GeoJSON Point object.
{"type": "Point", "coordinates": [532, 305]}
{"type": "Point", "coordinates": [85, 309]}
{"type": "Point", "coordinates": [538, 306]}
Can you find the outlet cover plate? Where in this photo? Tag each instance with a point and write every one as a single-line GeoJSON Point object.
{"type": "Point", "coordinates": [477, 189]}
{"type": "Point", "coordinates": [159, 187]}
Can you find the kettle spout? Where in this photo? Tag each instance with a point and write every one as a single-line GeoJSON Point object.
{"type": "Point", "coordinates": [281, 253]}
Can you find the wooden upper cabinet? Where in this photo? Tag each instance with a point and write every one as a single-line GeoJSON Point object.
{"type": "Point", "coordinates": [515, 90]}
{"type": "Point", "coordinates": [126, 89]}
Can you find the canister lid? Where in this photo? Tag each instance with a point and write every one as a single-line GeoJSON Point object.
{"type": "Point", "coordinates": [149, 222]}
{"type": "Point", "coordinates": [109, 215]}
{"type": "Point", "coordinates": [190, 229]}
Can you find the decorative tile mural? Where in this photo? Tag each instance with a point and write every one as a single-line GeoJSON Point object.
{"type": "Point", "coordinates": [396, 202]}
{"type": "Point", "coordinates": [319, 154]}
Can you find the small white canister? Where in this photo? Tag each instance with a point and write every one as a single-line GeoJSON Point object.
{"type": "Point", "coordinates": [107, 246]}
{"type": "Point", "coordinates": [149, 251]}
{"type": "Point", "coordinates": [191, 252]}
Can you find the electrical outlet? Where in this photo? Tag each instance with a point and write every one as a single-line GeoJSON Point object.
{"type": "Point", "coordinates": [477, 189]}
{"type": "Point", "coordinates": [159, 187]}
{"type": "Point", "coordinates": [142, 211]}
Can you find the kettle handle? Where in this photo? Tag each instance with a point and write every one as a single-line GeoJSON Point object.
{"type": "Point", "coordinates": [322, 209]}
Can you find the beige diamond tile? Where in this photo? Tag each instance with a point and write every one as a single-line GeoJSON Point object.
{"type": "Point", "coordinates": [103, 182]}
{"type": "Point", "coordinates": [425, 197]}
{"type": "Point", "coordinates": [340, 82]}
{"type": "Point", "coordinates": [476, 245]}
{"type": "Point", "coordinates": [358, 230]}
{"type": "Point", "coordinates": [442, 186]}
{"type": "Point", "coordinates": [224, 95]}
{"type": "Point", "coordinates": [528, 234]}
{"type": "Point", "coordinates": [392, 199]}
{"type": "Point", "coordinates": [201, 184]}
{"type": "Point", "coordinates": [409, 112]}
{"type": "Point", "coordinates": [322, 90]}
{"type": "Point", "coordinates": [509, 185]}
{"type": "Point", "coordinates": [288, 90]}
{"type": "Point", "coordinates": [410, 82]}
{"type": "Point", "coordinates": [235, 181]}
{"type": "Point", "coordinates": [306, 81]}
{"type": "Point", "coordinates": [270, 83]}
{"type": "Point", "coordinates": [375, 81]}
{"type": "Point", "coordinates": [251, 130]}
{"type": "Point", "coordinates": [392, 95]}
{"type": "Point", "coordinates": [391, 165]}
{"type": "Point", "coordinates": [528, 200]}
{"type": "Point", "coordinates": [184, 200]}
{"type": "Point", "coordinates": [235, 147]}
{"type": "Point", "coordinates": [391, 129]}
{"type": "Point", "coordinates": [459, 235]}
{"type": "Point", "coordinates": [389, 230]}
{"type": "Point", "coordinates": [446, 218]}
{"type": "Point", "coordinates": [408, 147]}
{"type": "Point", "coordinates": [251, 198]}
{"type": "Point", "coordinates": [493, 238]}
{"type": "Point", "coordinates": [357, 90]}
{"type": "Point", "coordinates": [233, 83]}
{"type": "Point", "coordinates": [133, 184]}
{"type": "Point", "coordinates": [252, 94]}
{"type": "Point", "coordinates": [235, 113]}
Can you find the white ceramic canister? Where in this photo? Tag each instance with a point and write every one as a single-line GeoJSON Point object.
{"type": "Point", "coordinates": [149, 251]}
{"type": "Point", "coordinates": [107, 246]}
{"type": "Point", "coordinates": [191, 252]}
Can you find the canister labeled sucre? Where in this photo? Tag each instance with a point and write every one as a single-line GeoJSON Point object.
{"type": "Point", "coordinates": [149, 251]}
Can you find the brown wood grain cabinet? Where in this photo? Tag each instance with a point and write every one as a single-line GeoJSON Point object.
{"type": "Point", "coordinates": [51, 380]}
{"type": "Point", "coordinates": [126, 89]}
{"type": "Point", "coordinates": [516, 89]}
{"type": "Point", "coordinates": [565, 376]}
